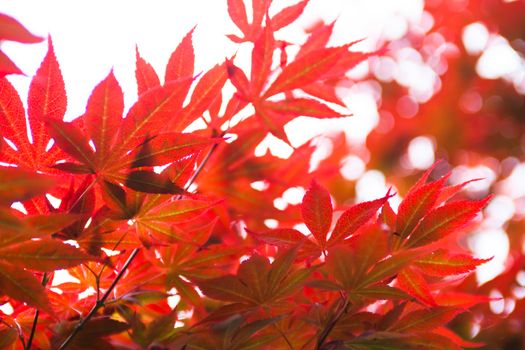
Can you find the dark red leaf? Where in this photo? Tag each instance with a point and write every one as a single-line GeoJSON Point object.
{"type": "Point", "coordinates": [72, 141]}
{"type": "Point", "coordinates": [425, 320]}
{"type": "Point", "coordinates": [22, 285]}
{"type": "Point", "coordinates": [18, 184]}
{"type": "Point", "coordinates": [150, 182]}
{"type": "Point", "coordinates": [239, 80]}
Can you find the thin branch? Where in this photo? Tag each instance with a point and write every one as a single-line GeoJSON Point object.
{"type": "Point", "coordinates": [90, 186]}
{"type": "Point", "coordinates": [100, 302]}
{"type": "Point", "coordinates": [132, 256]}
{"type": "Point", "coordinates": [201, 166]}
{"type": "Point", "coordinates": [330, 326]}
{"type": "Point", "coordinates": [27, 346]}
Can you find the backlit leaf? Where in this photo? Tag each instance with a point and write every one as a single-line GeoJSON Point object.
{"type": "Point", "coordinates": [355, 217]}
{"type": "Point", "coordinates": [288, 15]}
{"type": "Point", "coordinates": [237, 13]}
{"type": "Point", "coordinates": [239, 80]}
{"type": "Point", "coordinates": [442, 263]}
{"type": "Point", "coordinates": [303, 107]}
{"type": "Point", "coordinates": [317, 211]}
{"type": "Point", "coordinates": [145, 75]}
{"type": "Point", "coordinates": [207, 90]}
{"type": "Point", "coordinates": [150, 115]}
{"type": "Point", "coordinates": [181, 62]}
{"type": "Point", "coordinates": [104, 114]}
{"type": "Point", "coordinates": [262, 58]}
{"type": "Point", "coordinates": [391, 266]}
{"type": "Point", "coordinates": [12, 30]}
{"type": "Point", "coordinates": [417, 203]}
{"type": "Point", "coordinates": [412, 282]}
{"type": "Point", "coordinates": [306, 69]}
{"type": "Point", "coordinates": [444, 220]}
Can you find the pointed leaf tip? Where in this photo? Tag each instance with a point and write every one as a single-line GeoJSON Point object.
{"type": "Point", "coordinates": [317, 211]}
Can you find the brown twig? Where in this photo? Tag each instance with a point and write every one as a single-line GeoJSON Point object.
{"type": "Point", "coordinates": [100, 302]}
{"type": "Point", "coordinates": [330, 326]}
{"type": "Point", "coordinates": [27, 346]}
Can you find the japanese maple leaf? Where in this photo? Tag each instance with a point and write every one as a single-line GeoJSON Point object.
{"type": "Point", "coordinates": [46, 100]}
{"type": "Point", "coordinates": [317, 212]}
{"type": "Point", "coordinates": [126, 149]}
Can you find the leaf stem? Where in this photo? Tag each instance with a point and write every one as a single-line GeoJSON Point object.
{"type": "Point", "coordinates": [100, 302]}
{"type": "Point", "coordinates": [27, 346]}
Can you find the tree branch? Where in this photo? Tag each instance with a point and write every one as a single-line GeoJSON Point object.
{"type": "Point", "coordinates": [100, 302]}
{"type": "Point", "coordinates": [132, 256]}
{"type": "Point", "coordinates": [330, 326]}
{"type": "Point", "coordinates": [27, 346]}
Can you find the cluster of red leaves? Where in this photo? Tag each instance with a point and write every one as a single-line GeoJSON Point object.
{"type": "Point", "coordinates": [133, 236]}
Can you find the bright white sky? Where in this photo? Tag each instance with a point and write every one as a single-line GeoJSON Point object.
{"type": "Point", "coordinates": [91, 37]}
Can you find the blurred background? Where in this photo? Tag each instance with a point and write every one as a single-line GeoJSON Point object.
{"type": "Point", "coordinates": [449, 85]}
